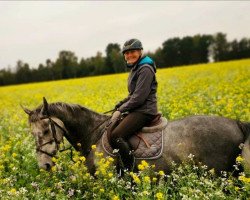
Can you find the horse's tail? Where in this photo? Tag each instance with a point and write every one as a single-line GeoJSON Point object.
{"type": "Point", "coordinates": [245, 129]}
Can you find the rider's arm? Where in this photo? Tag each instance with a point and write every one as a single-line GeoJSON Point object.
{"type": "Point", "coordinates": [142, 90]}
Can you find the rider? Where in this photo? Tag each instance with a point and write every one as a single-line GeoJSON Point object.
{"type": "Point", "coordinates": [140, 105]}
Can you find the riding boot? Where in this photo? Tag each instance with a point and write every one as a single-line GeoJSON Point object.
{"type": "Point", "coordinates": [125, 154]}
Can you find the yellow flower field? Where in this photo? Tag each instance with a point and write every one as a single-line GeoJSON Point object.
{"type": "Point", "coordinates": [212, 89]}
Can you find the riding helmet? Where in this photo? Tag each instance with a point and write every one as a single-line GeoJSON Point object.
{"type": "Point", "coordinates": [132, 44]}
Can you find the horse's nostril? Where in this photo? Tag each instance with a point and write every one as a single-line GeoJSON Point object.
{"type": "Point", "coordinates": [48, 166]}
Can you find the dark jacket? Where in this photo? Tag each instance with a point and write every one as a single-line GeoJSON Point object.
{"type": "Point", "coordinates": [142, 86]}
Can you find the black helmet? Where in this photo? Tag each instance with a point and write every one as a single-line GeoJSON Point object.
{"type": "Point", "coordinates": [132, 44]}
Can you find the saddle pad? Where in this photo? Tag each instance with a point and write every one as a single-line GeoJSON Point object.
{"type": "Point", "coordinates": [150, 147]}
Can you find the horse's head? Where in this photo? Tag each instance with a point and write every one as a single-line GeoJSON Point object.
{"type": "Point", "coordinates": [48, 132]}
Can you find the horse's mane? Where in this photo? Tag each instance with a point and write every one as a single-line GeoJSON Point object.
{"type": "Point", "coordinates": [57, 107]}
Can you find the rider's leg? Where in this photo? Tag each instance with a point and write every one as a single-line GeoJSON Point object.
{"type": "Point", "coordinates": [132, 123]}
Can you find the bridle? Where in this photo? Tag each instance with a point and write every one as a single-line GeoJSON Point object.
{"type": "Point", "coordinates": [53, 125]}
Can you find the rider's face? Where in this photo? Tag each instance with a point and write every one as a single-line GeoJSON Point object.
{"type": "Point", "coordinates": [132, 56]}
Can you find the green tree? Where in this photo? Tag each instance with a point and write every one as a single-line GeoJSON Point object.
{"type": "Point", "coordinates": [65, 65]}
{"type": "Point", "coordinates": [112, 51]}
{"type": "Point", "coordinates": [186, 49]}
{"type": "Point", "coordinates": [201, 45]}
{"type": "Point", "coordinates": [7, 77]}
{"type": "Point", "coordinates": [244, 48]}
{"type": "Point", "coordinates": [117, 60]}
{"type": "Point", "coordinates": [220, 47]}
{"type": "Point", "coordinates": [99, 64]}
{"type": "Point", "coordinates": [23, 72]}
{"type": "Point", "coordinates": [171, 52]}
{"type": "Point", "coordinates": [82, 68]}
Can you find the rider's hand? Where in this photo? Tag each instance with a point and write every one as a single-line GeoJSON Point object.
{"type": "Point", "coordinates": [115, 116]}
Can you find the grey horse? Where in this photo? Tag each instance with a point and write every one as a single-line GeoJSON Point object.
{"type": "Point", "coordinates": [214, 141]}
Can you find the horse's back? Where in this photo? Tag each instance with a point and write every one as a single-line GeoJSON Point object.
{"type": "Point", "coordinates": [213, 140]}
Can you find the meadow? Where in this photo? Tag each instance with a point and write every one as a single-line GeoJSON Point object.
{"type": "Point", "coordinates": [221, 89]}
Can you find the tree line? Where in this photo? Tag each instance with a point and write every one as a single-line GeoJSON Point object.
{"type": "Point", "coordinates": [174, 52]}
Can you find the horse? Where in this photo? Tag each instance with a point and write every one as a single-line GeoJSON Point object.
{"type": "Point", "coordinates": [214, 141]}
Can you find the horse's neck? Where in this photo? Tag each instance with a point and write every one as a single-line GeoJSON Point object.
{"type": "Point", "coordinates": [82, 127]}
{"type": "Point", "coordinates": [94, 130]}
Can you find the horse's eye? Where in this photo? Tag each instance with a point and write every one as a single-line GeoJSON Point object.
{"type": "Point", "coordinates": [46, 132]}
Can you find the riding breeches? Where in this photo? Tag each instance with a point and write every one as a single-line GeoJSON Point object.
{"type": "Point", "coordinates": [132, 123]}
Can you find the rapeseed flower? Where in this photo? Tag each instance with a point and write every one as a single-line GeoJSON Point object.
{"type": "Point", "coordinates": [161, 173]}
{"type": "Point", "coordinates": [141, 167]}
{"type": "Point", "coordinates": [239, 159]}
{"type": "Point", "coordinates": [115, 198]}
{"type": "Point", "coordinates": [144, 163]}
{"type": "Point", "coordinates": [159, 196]}
{"type": "Point", "coordinates": [14, 155]}
{"type": "Point", "coordinates": [13, 191]}
{"type": "Point", "coordinates": [147, 179]}
{"type": "Point", "coordinates": [135, 178]}
{"type": "Point", "coordinates": [244, 179]}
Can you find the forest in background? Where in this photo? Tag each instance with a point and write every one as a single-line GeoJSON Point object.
{"type": "Point", "coordinates": [175, 51]}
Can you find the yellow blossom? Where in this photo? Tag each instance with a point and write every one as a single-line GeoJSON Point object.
{"type": "Point", "coordinates": [115, 198]}
{"type": "Point", "coordinates": [93, 147]}
{"type": "Point", "coordinates": [53, 168]}
{"type": "Point", "coordinates": [141, 167]}
{"type": "Point", "coordinates": [54, 159]}
{"type": "Point", "coordinates": [14, 155]}
{"type": "Point", "coordinates": [97, 172]}
{"type": "Point", "coordinates": [101, 190]}
{"type": "Point", "coordinates": [144, 163]}
{"type": "Point", "coordinates": [110, 159]}
{"type": "Point", "coordinates": [147, 179]}
{"type": "Point", "coordinates": [136, 178]}
{"type": "Point", "coordinates": [244, 179]}
{"type": "Point", "coordinates": [13, 191]}
{"type": "Point", "coordinates": [99, 154]}
{"type": "Point", "coordinates": [239, 159]}
{"type": "Point", "coordinates": [154, 179]}
{"type": "Point", "coordinates": [159, 196]}
{"type": "Point", "coordinates": [161, 173]}
{"type": "Point", "coordinates": [6, 148]}
{"type": "Point", "coordinates": [82, 158]}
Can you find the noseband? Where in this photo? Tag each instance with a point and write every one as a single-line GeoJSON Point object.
{"type": "Point", "coordinates": [53, 124]}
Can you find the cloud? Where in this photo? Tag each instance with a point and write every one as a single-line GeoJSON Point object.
{"type": "Point", "coordinates": [34, 31]}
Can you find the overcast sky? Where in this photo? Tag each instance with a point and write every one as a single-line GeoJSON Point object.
{"type": "Point", "coordinates": [35, 31]}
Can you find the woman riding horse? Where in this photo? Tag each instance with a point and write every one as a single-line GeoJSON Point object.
{"type": "Point", "coordinates": [141, 104]}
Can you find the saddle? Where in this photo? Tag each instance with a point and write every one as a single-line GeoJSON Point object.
{"type": "Point", "coordinates": [147, 143]}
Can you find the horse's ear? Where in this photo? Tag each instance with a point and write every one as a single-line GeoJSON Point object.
{"type": "Point", "coordinates": [45, 109]}
{"type": "Point", "coordinates": [26, 110]}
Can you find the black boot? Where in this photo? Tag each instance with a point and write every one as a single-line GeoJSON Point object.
{"type": "Point", "coordinates": [126, 155]}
